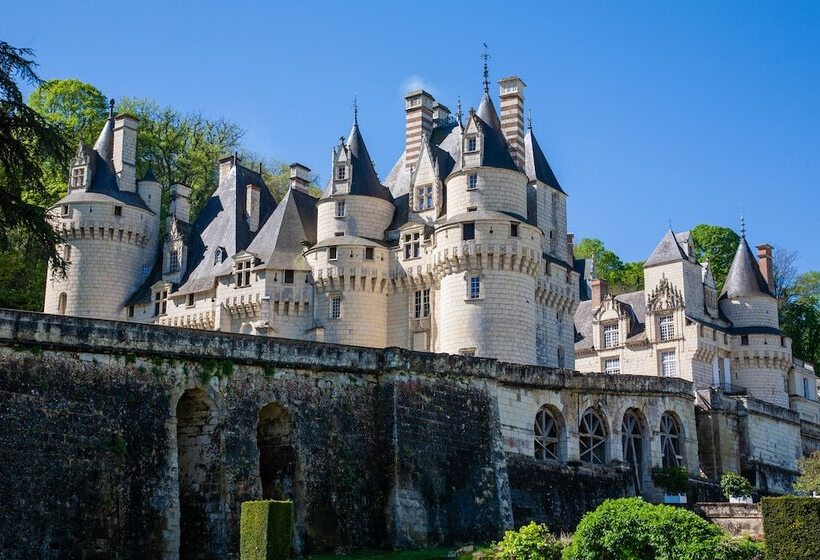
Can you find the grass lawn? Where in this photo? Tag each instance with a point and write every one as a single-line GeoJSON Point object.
{"type": "Point", "coordinates": [429, 554]}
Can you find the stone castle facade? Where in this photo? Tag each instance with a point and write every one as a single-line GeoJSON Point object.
{"type": "Point", "coordinates": [462, 249]}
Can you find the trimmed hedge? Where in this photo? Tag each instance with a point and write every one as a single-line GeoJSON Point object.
{"type": "Point", "coordinates": [265, 530]}
{"type": "Point", "coordinates": [791, 526]}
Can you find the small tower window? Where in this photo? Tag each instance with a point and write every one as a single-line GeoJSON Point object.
{"type": "Point", "coordinates": [472, 144]}
{"type": "Point", "coordinates": [191, 300]}
{"type": "Point", "coordinates": [475, 287]}
{"type": "Point", "coordinates": [131, 311]}
{"type": "Point", "coordinates": [341, 173]}
{"type": "Point", "coordinates": [118, 210]}
{"type": "Point", "coordinates": [368, 253]}
{"type": "Point", "coordinates": [61, 303]}
{"type": "Point", "coordinates": [340, 208]}
{"type": "Point", "coordinates": [288, 277]}
{"type": "Point", "coordinates": [67, 253]}
{"type": "Point", "coordinates": [65, 210]}
{"type": "Point", "coordinates": [331, 253]}
{"type": "Point", "coordinates": [78, 177]}
{"type": "Point", "coordinates": [472, 182]}
{"type": "Point", "coordinates": [468, 231]}
{"type": "Point", "coordinates": [513, 229]}
{"type": "Point", "coordinates": [335, 307]}
{"type": "Point", "coordinates": [744, 339]}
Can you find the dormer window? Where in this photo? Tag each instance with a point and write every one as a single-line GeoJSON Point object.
{"type": "Point", "coordinates": [219, 255]}
{"type": "Point", "coordinates": [78, 177]}
{"type": "Point", "coordinates": [243, 273]}
{"type": "Point", "coordinates": [160, 302]}
{"type": "Point", "coordinates": [424, 197]}
{"type": "Point", "coordinates": [666, 327]}
{"type": "Point", "coordinates": [471, 144]}
{"type": "Point", "coordinates": [340, 208]}
{"type": "Point", "coordinates": [611, 336]}
{"type": "Point", "coordinates": [288, 277]}
{"type": "Point", "coordinates": [173, 261]}
{"type": "Point", "coordinates": [341, 173]}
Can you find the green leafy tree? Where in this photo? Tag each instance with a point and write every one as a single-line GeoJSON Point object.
{"type": "Point", "coordinates": [531, 542]}
{"type": "Point", "coordinates": [620, 277]}
{"type": "Point", "coordinates": [800, 315]}
{"type": "Point", "coordinates": [629, 278]}
{"type": "Point", "coordinates": [276, 174]}
{"type": "Point", "coordinates": [717, 246]}
{"type": "Point", "coordinates": [809, 479]}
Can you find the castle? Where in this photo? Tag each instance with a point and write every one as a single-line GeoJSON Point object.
{"type": "Point", "coordinates": [463, 250]}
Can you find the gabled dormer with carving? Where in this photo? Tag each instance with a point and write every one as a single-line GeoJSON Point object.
{"type": "Point", "coordinates": [426, 186]}
{"type": "Point", "coordinates": [175, 251]}
{"type": "Point", "coordinates": [611, 324]}
{"type": "Point", "coordinates": [472, 142]}
{"type": "Point", "coordinates": [665, 318]}
{"type": "Point", "coordinates": [342, 172]}
{"type": "Point", "coordinates": [710, 295]}
{"type": "Point", "coordinates": [80, 169]}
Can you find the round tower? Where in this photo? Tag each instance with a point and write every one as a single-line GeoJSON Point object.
{"type": "Point", "coordinates": [761, 355]}
{"type": "Point", "coordinates": [486, 254]}
{"type": "Point", "coordinates": [109, 231]}
{"type": "Point", "coordinates": [350, 264]}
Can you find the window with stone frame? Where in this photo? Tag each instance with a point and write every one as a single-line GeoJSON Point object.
{"type": "Point", "coordinates": [612, 366]}
{"type": "Point", "coordinates": [341, 173]}
{"type": "Point", "coordinates": [288, 277]}
{"type": "Point", "coordinates": [554, 208]}
{"type": "Point", "coordinates": [468, 231]}
{"type": "Point", "coordinates": [671, 449]}
{"type": "Point", "coordinates": [513, 229]}
{"type": "Point", "coordinates": [474, 287]}
{"type": "Point", "coordinates": [65, 210]}
{"type": "Point", "coordinates": [561, 357]}
{"type": "Point", "coordinates": [592, 435]}
{"type": "Point", "coordinates": [421, 303]}
{"type": "Point", "coordinates": [472, 182]}
{"type": "Point", "coordinates": [340, 208]}
{"type": "Point", "coordinates": [67, 252]}
{"type": "Point", "coordinates": [191, 300]}
{"type": "Point", "coordinates": [331, 253]}
{"type": "Point", "coordinates": [160, 302]}
{"type": "Point", "coordinates": [335, 307]}
{"type": "Point", "coordinates": [666, 327]}
{"type": "Point", "coordinates": [118, 210]}
{"type": "Point", "coordinates": [611, 335]}
{"type": "Point", "coordinates": [369, 253]}
{"type": "Point", "coordinates": [243, 273]}
{"type": "Point", "coordinates": [669, 364]}
{"type": "Point", "coordinates": [424, 197]}
{"type": "Point", "coordinates": [412, 245]}
{"type": "Point", "coordinates": [173, 260]}
{"type": "Point", "coordinates": [471, 144]}
{"type": "Point", "coordinates": [78, 177]}
{"type": "Point", "coordinates": [547, 436]}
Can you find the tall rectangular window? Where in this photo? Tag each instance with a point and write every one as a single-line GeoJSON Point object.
{"type": "Point", "coordinates": [341, 173]}
{"type": "Point", "coordinates": [612, 365]}
{"type": "Point", "coordinates": [421, 304]}
{"type": "Point", "coordinates": [667, 327]}
{"type": "Point", "coordinates": [331, 253]}
{"type": "Point", "coordinates": [806, 388]}
{"type": "Point", "coordinates": [424, 197]}
{"type": "Point", "coordinates": [340, 208]}
{"type": "Point", "coordinates": [243, 274]}
{"type": "Point", "coordinates": [669, 364]}
{"type": "Point", "coordinates": [611, 336]}
{"type": "Point", "coordinates": [78, 177]}
{"type": "Point", "coordinates": [472, 182]}
{"type": "Point", "coordinates": [368, 253]}
{"type": "Point", "coordinates": [191, 300]}
{"type": "Point", "coordinates": [472, 144]}
{"type": "Point", "coordinates": [412, 245]}
{"type": "Point", "coordinates": [513, 229]}
{"type": "Point", "coordinates": [475, 287]}
{"type": "Point", "coordinates": [173, 261]}
{"type": "Point", "coordinates": [288, 277]}
{"type": "Point", "coordinates": [335, 307]}
{"type": "Point", "coordinates": [118, 210]}
{"type": "Point", "coordinates": [160, 302]}
{"type": "Point", "coordinates": [468, 231]}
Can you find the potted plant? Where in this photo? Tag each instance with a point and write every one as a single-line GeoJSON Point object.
{"type": "Point", "coordinates": [736, 488]}
{"type": "Point", "coordinates": [674, 481]}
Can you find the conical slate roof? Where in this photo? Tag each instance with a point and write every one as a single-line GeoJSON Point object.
{"type": "Point", "coordinates": [487, 113]}
{"type": "Point", "coordinates": [280, 241]}
{"type": "Point", "coordinates": [744, 278]}
{"type": "Point", "coordinates": [667, 251]}
{"type": "Point", "coordinates": [364, 180]}
{"type": "Point", "coordinates": [535, 163]}
{"type": "Point", "coordinates": [105, 141]}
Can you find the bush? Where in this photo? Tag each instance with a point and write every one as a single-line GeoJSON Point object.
{"type": "Point", "coordinates": [735, 485]}
{"type": "Point", "coordinates": [809, 479]}
{"type": "Point", "coordinates": [791, 526]}
{"type": "Point", "coordinates": [741, 549]}
{"type": "Point", "coordinates": [265, 530]}
{"type": "Point", "coordinates": [675, 480]}
{"type": "Point", "coordinates": [530, 542]}
{"type": "Point", "coordinates": [632, 529]}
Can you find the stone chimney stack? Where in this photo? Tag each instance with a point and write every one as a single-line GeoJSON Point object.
{"type": "Point", "coordinates": [766, 264]}
{"type": "Point", "coordinates": [125, 152]}
{"type": "Point", "coordinates": [299, 177]}
{"type": "Point", "coordinates": [598, 287]}
{"type": "Point", "coordinates": [227, 163]}
{"type": "Point", "coordinates": [252, 195]}
{"type": "Point", "coordinates": [418, 107]}
{"type": "Point", "coordinates": [180, 203]}
{"type": "Point", "coordinates": [570, 248]}
{"type": "Point", "coordinates": [440, 113]}
{"type": "Point", "coordinates": [512, 116]}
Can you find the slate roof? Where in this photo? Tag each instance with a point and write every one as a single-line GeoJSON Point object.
{"type": "Point", "coordinates": [668, 250]}
{"type": "Point", "coordinates": [364, 180]}
{"type": "Point", "coordinates": [284, 236]}
{"type": "Point", "coordinates": [487, 113]}
{"type": "Point", "coordinates": [744, 278]}
{"type": "Point", "coordinates": [535, 163]}
{"type": "Point", "coordinates": [222, 223]}
{"type": "Point", "coordinates": [636, 302]}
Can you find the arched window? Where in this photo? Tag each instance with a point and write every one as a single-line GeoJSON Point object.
{"type": "Point", "coordinates": [592, 438]}
{"type": "Point", "coordinates": [671, 441]}
{"type": "Point", "coordinates": [547, 436]}
{"type": "Point", "coordinates": [61, 304]}
{"type": "Point", "coordinates": [632, 443]}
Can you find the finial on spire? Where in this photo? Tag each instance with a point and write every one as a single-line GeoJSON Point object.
{"type": "Point", "coordinates": [742, 225]}
{"type": "Point", "coordinates": [529, 120]}
{"type": "Point", "coordinates": [459, 112]}
{"type": "Point", "coordinates": [670, 224]}
{"type": "Point", "coordinates": [486, 57]}
{"type": "Point", "coordinates": [355, 110]}
{"type": "Point", "coordinates": [111, 108]}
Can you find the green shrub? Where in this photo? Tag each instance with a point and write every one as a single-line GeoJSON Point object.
{"type": "Point", "coordinates": [530, 542]}
{"type": "Point", "coordinates": [735, 485]}
{"type": "Point", "coordinates": [809, 479]}
{"type": "Point", "coordinates": [743, 548]}
{"type": "Point", "coordinates": [265, 530]}
{"type": "Point", "coordinates": [791, 526]}
{"type": "Point", "coordinates": [675, 480]}
{"type": "Point", "coordinates": [632, 529]}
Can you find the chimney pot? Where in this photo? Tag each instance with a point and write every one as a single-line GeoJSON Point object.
{"type": "Point", "coordinates": [125, 151]}
{"type": "Point", "coordinates": [599, 289]}
{"type": "Point", "coordinates": [418, 107]}
{"type": "Point", "coordinates": [766, 264]}
{"type": "Point", "coordinates": [299, 177]}
{"type": "Point", "coordinates": [252, 195]}
{"type": "Point", "coordinates": [512, 116]}
{"type": "Point", "coordinates": [571, 247]}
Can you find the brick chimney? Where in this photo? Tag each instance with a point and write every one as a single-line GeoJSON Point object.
{"type": "Point", "coordinates": [512, 116]}
{"type": "Point", "coordinates": [570, 248]}
{"type": "Point", "coordinates": [252, 195]}
{"type": "Point", "coordinates": [766, 264]}
{"type": "Point", "coordinates": [418, 106]}
{"type": "Point", "coordinates": [299, 177]}
{"type": "Point", "coordinates": [598, 287]}
{"type": "Point", "coordinates": [125, 151]}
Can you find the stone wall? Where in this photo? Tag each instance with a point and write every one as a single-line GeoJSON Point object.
{"type": "Point", "coordinates": [736, 519]}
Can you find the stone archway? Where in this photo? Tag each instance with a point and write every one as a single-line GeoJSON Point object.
{"type": "Point", "coordinates": [201, 502]}
{"type": "Point", "coordinates": [277, 453]}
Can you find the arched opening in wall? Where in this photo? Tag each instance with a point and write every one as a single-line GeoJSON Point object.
{"type": "Point", "coordinates": [277, 453]}
{"type": "Point", "coordinates": [61, 303]}
{"type": "Point", "coordinates": [633, 445]}
{"type": "Point", "coordinates": [201, 520]}
{"type": "Point", "coordinates": [671, 441]}
{"type": "Point", "coordinates": [592, 435]}
{"type": "Point", "coordinates": [548, 434]}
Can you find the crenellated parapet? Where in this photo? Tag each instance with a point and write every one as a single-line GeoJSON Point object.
{"type": "Point", "coordinates": [473, 254]}
{"type": "Point", "coordinates": [558, 295]}
{"type": "Point", "coordinates": [353, 278]}
{"type": "Point", "coordinates": [104, 230]}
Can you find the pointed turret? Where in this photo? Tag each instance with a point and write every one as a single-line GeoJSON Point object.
{"type": "Point", "coordinates": [487, 113]}
{"type": "Point", "coordinates": [105, 141]}
{"type": "Point", "coordinates": [744, 278]}
{"type": "Point", "coordinates": [354, 172]}
{"type": "Point", "coordinates": [668, 250]}
{"type": "Point", "coordinates": [535, 163]}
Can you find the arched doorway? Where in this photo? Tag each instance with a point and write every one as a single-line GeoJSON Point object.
{"type": "Point", "coordinates": [201, 511]}
{"type": "Point", "coordinates": [277, 453]}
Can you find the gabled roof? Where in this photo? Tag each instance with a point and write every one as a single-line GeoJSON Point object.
{"type": "Point", "coordinates": [364, 180]}
{"type": "Point", "coordinates": [222, 223]}
{"type": "Point", "coordinates": [535, 163]}
{"type": "Point", "coordinates": [744, 278]}
{"type": "Point", "coordinates": [668, 250]}
{"type": "Point", "coordinates": [494, 151]}
{"type": "Point", "coordinates": [282, 239]}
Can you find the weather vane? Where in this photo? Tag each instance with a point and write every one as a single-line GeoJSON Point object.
{"type": "Point", "coordinates": [355, 110]}
{"type": "Point", "coordinates": [742, 225]}
{"type": "Point", "coordinates": [486, 58]}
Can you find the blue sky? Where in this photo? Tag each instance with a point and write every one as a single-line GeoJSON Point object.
{"type": "Point", "coordinates": [647, 111]}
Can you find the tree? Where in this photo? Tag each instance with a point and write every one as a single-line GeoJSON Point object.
{"type": "Point", "coordinates": [800, 315]}
{"type": "Point", "coordinates": [717, 246]}
{"type": "Point", "coordinates": [784, 268]}
{"type": "Point", "coordinates": [26, 140]}
{"type": "Point", "coordinates": [276, 174]}
{"type": "Point", "coordinates": [607, 266]}
{"type": "Point", "coordinates": [809, 479]}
